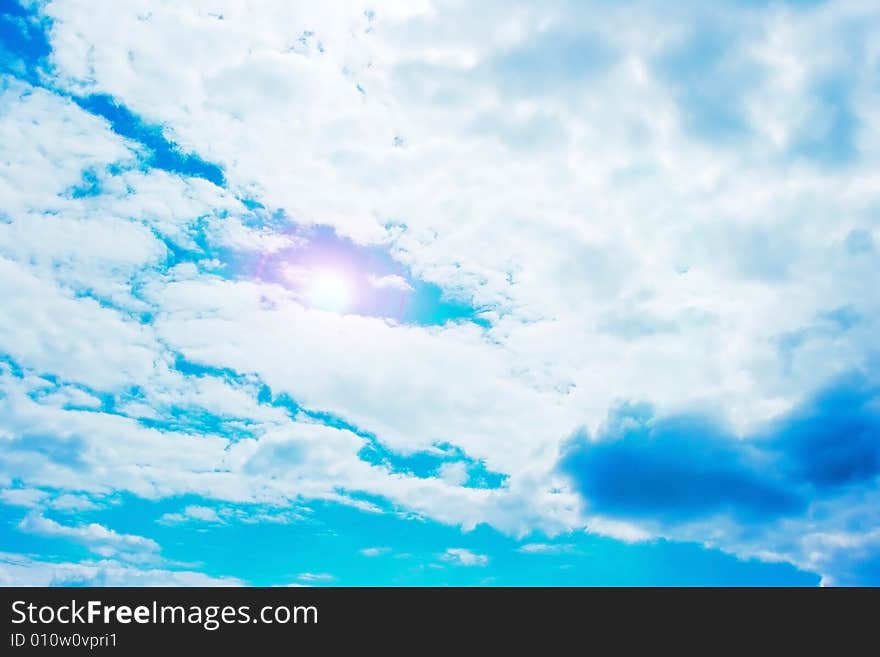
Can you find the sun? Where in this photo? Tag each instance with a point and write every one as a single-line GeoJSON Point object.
{"type": "Point", "coordinates": [328, 290]}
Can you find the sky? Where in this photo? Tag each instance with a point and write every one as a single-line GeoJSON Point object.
{"type": "Point", "coordinates": [438, 292]}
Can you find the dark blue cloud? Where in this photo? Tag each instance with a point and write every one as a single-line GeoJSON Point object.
{"type": "Point", "coordinates": [685, 467]}
{"type": "Point", "coordinates": [833, 440]}
{"type": "Point", "coordinates": [682, 466]}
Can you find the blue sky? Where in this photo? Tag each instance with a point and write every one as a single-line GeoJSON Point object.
{"type": "Point", "coordinates": [435, 293]}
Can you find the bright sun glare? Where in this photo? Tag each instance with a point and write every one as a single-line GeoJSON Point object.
{"type": "Point", "coordinates": [328, 290]}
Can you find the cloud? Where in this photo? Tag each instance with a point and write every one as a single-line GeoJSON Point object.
{"type": "Point", "coordinates": [374, 551]}
{"type": "Point", "coordinates": [546, 548]}
{"type": "Point", "coordinates": [464, 557]}
{"type": "Point", "coordinates": [455, 472]}
{"type": "Point", "coordinates": [677, 468]}
{"type": "Point", "coordinates": [681, 475]}
{"type": "Point", "coordinates": [34, 498]}
{"type": "Point", "coordinates": [680, 467]}
{"type": "Point", "coordinates": [623, 212]}
{"type": "Point", "coordinates": [73, 503]}
{"type": "Point", "coordinates": [21, 570]}
{"type": "Point", "coordinates": [831, 441]}
{"type": "Point", "coordinates": [391, 281]}
{"type": "Point", "coordinates": [313, 578]}
{"type": "Point", "coordinates": [191, 512]}
{"type": "Point", "coordinates": [94, 536]}
{"type": "Point", "coordinates": [26, 497]}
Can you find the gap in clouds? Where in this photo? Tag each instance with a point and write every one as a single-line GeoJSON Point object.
{"type": "Point", "coordinates": [443, 460]}
{"type": "Point", "coordinates": [162, 153]}
{"type": "Point", "coordinates": [24, 44]}
{"type": "Point", "coordinates": [379, 286]}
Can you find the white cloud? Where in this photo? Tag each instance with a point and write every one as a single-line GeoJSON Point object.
{"type": "Point", "coordinates": [202, 513]}
{"type": "Point", "coordinates": [191, 512]}
{"type": "Point", "coordinates": [391, 281]}
{"type": "Point", "coordinates": [546, 548]}
{"type": "Point", "coordinates": [72, 503]}
{"type": "Point", "coordinates": [374, 551]}
{"type": "Point", "coordinates": [70, 396]}
{"type": "Point", "coordinates": [619, 254]}
{"type": "Point", "coordinates": [26, 497]}
{"type": "Point", "coordinates": [628, 532]}
{"type": "Point", "coordinates": [453, 472]}
{"type": "Point", "coordinates": [35, 498]}
{"type": "Point", "coordinates": [21, 570]}
{"type": "Point", "coordinates": [312, 578]}
{"type": "Point", "coordinates": [464, 557]}
{"type": "Point", "coordinates": [96, 537]}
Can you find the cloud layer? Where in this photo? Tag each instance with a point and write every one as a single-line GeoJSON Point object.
{"type": "Point", "coordinates": [613, 269]}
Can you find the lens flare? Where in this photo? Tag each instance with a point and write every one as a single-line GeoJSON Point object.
{"type": "Point", "coordinates": [330, 291]}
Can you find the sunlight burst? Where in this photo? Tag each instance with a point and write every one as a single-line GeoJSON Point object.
{"type": "Point", "coordinates": [330, 291]}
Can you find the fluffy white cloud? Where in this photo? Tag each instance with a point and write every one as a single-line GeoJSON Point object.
{"type": "Point", "coordinates": [578, 240]}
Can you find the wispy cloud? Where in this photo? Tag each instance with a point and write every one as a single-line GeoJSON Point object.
{"type": "Point", "coordinates": [546, 548]}
{"type": "Point", "coordinates": [313, 578]}
{"type": "Point", "coordinates": [374, 551]}
{"type": "Point", "coordinates": [191, 512]}
{"type": "Point", "coordinates": [96, 537]}
{"type": "Point", "coordinates": [464, 557]}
